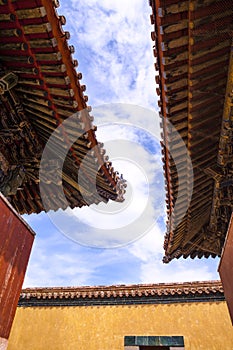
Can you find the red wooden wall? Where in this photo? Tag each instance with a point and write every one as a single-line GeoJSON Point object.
{"type": "Point", "coordinates": [16, 239]}
{"type": "Point", "coordinates": [226, 268]}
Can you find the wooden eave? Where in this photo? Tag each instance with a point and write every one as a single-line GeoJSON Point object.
{"type": "Point", "coordinates": [193, 43]}
{"type": "Point", "coordinates": [35, 48]}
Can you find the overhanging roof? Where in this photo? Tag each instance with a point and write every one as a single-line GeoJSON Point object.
{"type": "Point", "coordinates": [193, 43]}
{"type": "Point", "coordinates": [43, 91]}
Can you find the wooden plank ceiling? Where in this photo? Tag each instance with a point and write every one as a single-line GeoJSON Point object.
{"type": "Point", "coordinates": [43, 91]}
{"type": "Point", "coordinates": [193, 50]}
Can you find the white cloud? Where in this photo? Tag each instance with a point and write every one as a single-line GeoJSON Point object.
{"type": "Point", "coordinates": [56, 261]}
{"type": "Point", "coordinates": [113, 46]}
{"type": "Point", "coordinates": [115, 39]}
{"type": "Point", "coordinates": [153, 270]}
{"type": "Point", "coordinates": [117, 224]}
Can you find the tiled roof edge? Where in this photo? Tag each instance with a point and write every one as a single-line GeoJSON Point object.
{"type": "Point", "coordinates": [124, 291]}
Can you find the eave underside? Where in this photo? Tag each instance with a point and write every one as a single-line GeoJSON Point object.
{"type": "Point", "coordinates": [193, 48]}
{"type": "Point", "coordinates": [34, 47]}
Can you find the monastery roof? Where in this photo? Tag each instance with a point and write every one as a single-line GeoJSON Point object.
{"type": "Point", "coordinates": [144, 293]}
{"type": "Point", "coordinates": [39, 89]}
{"type": "Point", "coordinates": [193, 50]}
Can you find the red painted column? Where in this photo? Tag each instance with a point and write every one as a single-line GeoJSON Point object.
{"type": "Point", "coordinates": [226, 268]}
{"type": "Point", "coordinates": [16, 239]}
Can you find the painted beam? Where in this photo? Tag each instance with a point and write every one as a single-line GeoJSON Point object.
{"type": "Point", "coordinates": [16, 239]}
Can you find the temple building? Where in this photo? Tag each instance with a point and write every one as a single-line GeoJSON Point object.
{"type": "Point", "coordinates": [39, 91]}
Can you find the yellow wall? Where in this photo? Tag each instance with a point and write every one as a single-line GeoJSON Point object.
{"type": "Point", "coordinates": [204, 326]}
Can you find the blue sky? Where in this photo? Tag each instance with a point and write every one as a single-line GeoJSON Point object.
{"type": "Point", "coordinates": [114, 50]}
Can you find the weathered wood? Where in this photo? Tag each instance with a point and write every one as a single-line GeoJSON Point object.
{"type": "Point", "coordinates": [30, 81]}
{"type": "Point", "coordinates": [43, 43]}
{"type": "Point", "coordinates": [225, 268]}
{"type": "Point", "coordinates": [31, 13]}
{"type": "Point", "coordinates": [209, 50]}
{"type": "Point", "coordinates": [57, 80]}
{"type": "Point", "coordinates": [55, 68]}
{"type": "Point", "coordinates": [199, 3]}
{"type": "Point", "coordinates": [173, 9]}
{"type": "Point", "coordinates": [13, 47]}
{"type": "Point", "coordinates": [62, 103]}
{"type": "Point", "coordinates": [207, 64]}
{"type": "Point", "coordinates": [45, 68]}
{"type": "Point", "coordinates": [217, 19]}
{"type": "Point", "coordinates": [15, 246]}
{"type": "Point", "coordinates": [10, 33]}
{"type": "Point", "coordinates": [45, 121]}
{"type": "Point", "coordinates": [48, 56]}
{"type": "Point", "coordinates": [196, 105]}
{"type": "Point", "coordinates": [37, 28]}
{"type": "Point", "coordinates": [61, 92]}
{"type": "Point", "coordinates": [18, 58]}
{"type": "Point", "coordinates": [26, 92]}
{"type": "Point", "coordinates": [45, 111]}
{"type": "Point", "coordinates": [171, 44]}
{"type": "Point", "coordinates": [63, 113]}
{"type": "Point", "coordinates": [183, 24]}
{"type": "Point", "coordinates": [176, 71]}
{"type": "Point", "coordinates": [38, 100]}
{"type": "Point", "coordinates": [178, 107]}
{"type": "Point", "coordinates": [207, 9]}
{"type": "Point", "coordinates": [176, 84]}
{"type": "Point", "coordinates": [204, 62]}
{"type": "Point", "coordinates": [175, 58]}
{"type": "Point", "coordinates": [204, 201]}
